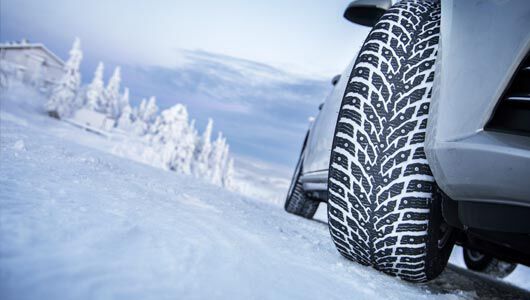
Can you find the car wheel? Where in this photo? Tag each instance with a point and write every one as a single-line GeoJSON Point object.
{"type": "Point", "coordinates": [480, 262]}
{"type": "Point", "coordinates": [383, 208]}
{"type": "Point", "coordinates": [297, 202]}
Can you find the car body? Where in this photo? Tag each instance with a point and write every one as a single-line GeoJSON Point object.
{"type": "Point", "coordinates": [320, 136]}
{"type": "Point", "coordinates": [478, 135]}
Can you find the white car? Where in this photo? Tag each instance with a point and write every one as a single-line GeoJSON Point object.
{"type": "Point", "coordinates": [424, 140]}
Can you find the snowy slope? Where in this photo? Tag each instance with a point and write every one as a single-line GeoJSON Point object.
{"type": "Point", "coordinates": [79, 223]}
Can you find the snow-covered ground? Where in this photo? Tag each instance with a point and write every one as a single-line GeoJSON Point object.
{"type": "Point", "coordinates": [78, 222]}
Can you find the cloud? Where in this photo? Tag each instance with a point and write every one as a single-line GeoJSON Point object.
{"type": "Point", "coordinates": [261, 109]}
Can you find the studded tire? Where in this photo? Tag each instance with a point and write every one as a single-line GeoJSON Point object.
{"type": "Point", "coordinates": [297, 202]}
{"type": "Point", "coordinates": [383, 206]}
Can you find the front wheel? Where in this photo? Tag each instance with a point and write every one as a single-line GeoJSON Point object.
{"type": "Point", "coordinates": [384, 209]}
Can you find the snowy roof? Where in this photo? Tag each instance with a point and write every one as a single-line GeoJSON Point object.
{"type": "Point", "coordinates": [24, 45]}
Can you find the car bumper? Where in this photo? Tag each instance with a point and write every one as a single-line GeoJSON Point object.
{"type": "Point", "coordinates": [487, 167]}
{"type": "Point", "coordinates": [477, 58]}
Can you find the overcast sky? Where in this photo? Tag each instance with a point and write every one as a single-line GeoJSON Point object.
{"type": "Point", "coordinates": [309, 37]}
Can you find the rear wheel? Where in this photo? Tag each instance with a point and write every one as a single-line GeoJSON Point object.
{"type": "Point", "coordinates": [383, 208]}
{"type": "Point", "coordinates": [480, 262]}
{"type": "Point", "coordinates": [297, 202]}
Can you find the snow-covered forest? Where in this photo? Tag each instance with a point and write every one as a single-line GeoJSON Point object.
{"type": "Point", "coordinates": [162, 138]}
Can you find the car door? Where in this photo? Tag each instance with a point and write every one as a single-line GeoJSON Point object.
{"type": "Point", "coordinates": [318, 148]}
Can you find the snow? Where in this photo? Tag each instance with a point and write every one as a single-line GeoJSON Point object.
{"type": "Point", "coordinates": [19, 146]}
{"type": "Point", "coordinates": [519, 277]}
{"type": "Point", "coordinates": [78, 222]}
{"type": "Point", "coordinates": [261, 180]}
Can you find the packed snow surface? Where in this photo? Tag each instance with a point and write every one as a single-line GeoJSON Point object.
{"type": "Point", "coordinates": [78, 222]}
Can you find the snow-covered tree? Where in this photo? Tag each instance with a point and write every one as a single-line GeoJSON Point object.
{"type": "Point", "coordinates": [62, 99]}
{"type": "Point", "coordinates": [228, 175]}
{"type": "Point", "coordinates": [112, 94]}
{"type": "Point", "coordinates": [149, 113]}
{"type": "Point", "coordinates": [202, 151]}
{"type": "Point", "coordinates": [141, 108]}
{"type": "Point", "coordinates": [169, 126]}
{"type": "Point", "coordinates": [224, 157]}
{"type": "Point", "coordinates": [139, 126]}
{"type": "Point", "coordinates": [189, 141]}
{"type": "Point", "coordinates": [220, 164]}
{"type": "Point", "coordinates": [125, 121]}
{"type": "Point", "coordinates": [145, 116]}
{"type": "Point", "coordinates": [124, 100]}
{"type": "Point", "coordinates": [215, 161]}
{"type": "Point", "coordinates": [174, 138]}
{"type": "Point", "coordinates": [95, 89]}
{"type": "Point", "coordinates": [224, 161]}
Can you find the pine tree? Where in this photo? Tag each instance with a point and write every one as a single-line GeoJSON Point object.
{"type": "Point", "coordinates": [124, 100]}
{"type": "Point", "coordinates": [169, 126]}
{"type": "Point", "coordinates": [141, 108]}
{"type": "Point", "coordinates": [174, 138]}
{"type": "Point", "coordinates": [224, 157]}
{"type": "Point", "coordinates": [216, 160]}
{"type": "Point", "coordinates": [223, 164]}
{"type": "Point", "coordinates": [125, 121]}
{"type": "Point", "coordinates": [187, 148]}
{"type": "Point", "coordinates": [95, 89]}
{"type": "Point", "coordinates": [146, 116]}
{"type": "Point", "coordinates": [149, 113]}
{"type": "Point", "coordinates": [62, 100]}
{"type": "Point", "coordinates": [112, 94]}
{"type": "Point", "coordinates": [203, 150]}
{"type": "Point", "coordinates": [228, 176]}
{"type": "Point", "coordinates": [139, 125]}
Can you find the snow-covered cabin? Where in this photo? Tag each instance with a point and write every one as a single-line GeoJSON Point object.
{"type": "Point", "coordinates": [92, 120]}
{"type": "Point", "coordinates": [32, 63]}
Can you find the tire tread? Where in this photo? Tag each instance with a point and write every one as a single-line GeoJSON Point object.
{"type": "Point", "coordinates": [380, 185]}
